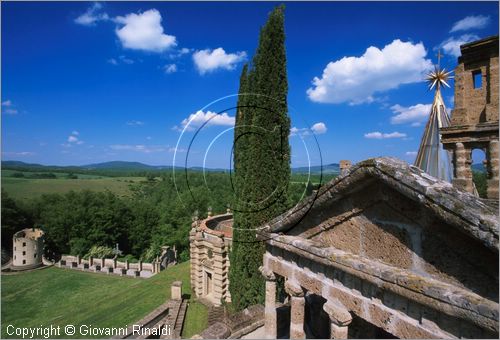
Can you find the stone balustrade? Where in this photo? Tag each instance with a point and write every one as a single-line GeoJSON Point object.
{"type": "Point", "coordinates": [111, 266]}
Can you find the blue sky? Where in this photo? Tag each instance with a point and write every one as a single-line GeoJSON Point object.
{"type": "Point", "coordinates": [86, 82]}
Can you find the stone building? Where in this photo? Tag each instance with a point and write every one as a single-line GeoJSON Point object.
{"type": "Point", "coordinates": [474, 120]}
{"type": "Point", "coordinates": [384, 251]}
{"type": "Point", "coordinates": [28, 249]}
{"type": "Point", "coordinates": [210, 241]}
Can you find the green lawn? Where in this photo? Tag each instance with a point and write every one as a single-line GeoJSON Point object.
{"type": "Point", "coordinates": [60, 297]}
{"type": "Point", "coordinates": [22, 188]}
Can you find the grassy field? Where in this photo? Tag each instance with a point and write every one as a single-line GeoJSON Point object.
{"type": "Point", "coordinates": [22, 188]}
{"type": "Point", "coordinates": [60, 297]}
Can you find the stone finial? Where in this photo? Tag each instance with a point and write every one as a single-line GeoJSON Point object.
{"type": "Point", "coordinates": [344, 166]}
{"type": "Point", "coordinates": [176, 290]}
{"type": "Point", "coordinates": [267, 273]}
{"type": "Point", "coordinates": [228, 209]}
{"type": "Point", "coordinates": [338, 313]}
{"type": "Point", "coordinates": [293, 288]}
{"type": "Point", "coordinates": [209, 212]}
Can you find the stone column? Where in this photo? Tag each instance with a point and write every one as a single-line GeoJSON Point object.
{"type": "Point", "coordinates": [271, 321]}
{"type": "Point", "coordinates": [297, 311]}
{"type": "Point", "coordinates": [340, 318]}
{"type": "Point", "coordinates": [463, 172]}
{"type": "Point", "coordinates": [492, 159]}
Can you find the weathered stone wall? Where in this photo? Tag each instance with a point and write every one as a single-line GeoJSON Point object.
{"type": "Point", "coordinates": [28, 248]}
{"type": "Point", "coordinates": [390, 301]}
{"type": "Point", "coordinates": [209, 256]}
{"type": "Point", "coordinates": [474, 120]}
{"type": "Point", "coordinates": [415, 240]}
{"type": "Point", "coordinates": [476, 105]}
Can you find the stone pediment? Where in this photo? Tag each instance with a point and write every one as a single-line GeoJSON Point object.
{"type": "Point", "coordinates": [387, 181]}
{"type": "Point", "coordinates": [388, 211]}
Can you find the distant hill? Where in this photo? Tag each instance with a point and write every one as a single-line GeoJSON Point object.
{"type": "Point", "coordinates": [123, 166]}
{"type": "Point", "coordinates": [479, 167]}
{"type": "Point", "coordinates": [329, 169]}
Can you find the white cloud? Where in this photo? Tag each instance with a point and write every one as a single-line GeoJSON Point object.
{"type": "Point", "coordinates": [21, 153]}
{"type": "Point", "coordinates": [121, 60]}
{"type": "Point", "coordinates": [319, 128]}
{"type": "Point", "coordinates": [357, 79]}
{"type": "Point", "coordinates": [126, 60]}
{"type": "Point", "coordinates": [451, 46]}
{"type": "Point", "coordinates": [139, 148]}
{"type": "Point", "coordinates": [196, 120]}
{"type": "Point", "coordinates": [211, 60]}
{"type": "Point", "coordinates": [380, 135]}
{"type": "Point", "coordinates": [415, 114]}
{"type": "Point", "coordinates": [411, 153]}
{"type": "Point", "coordinates": [170, 68]}
{"type": "Point", "coordinates": [8, 108]}
{"type": "Point", "coordinates": [73, 139]}
{"type": "Point", "coordinates": [135, 123]}
{"type": "Point", "coordinates": [144, 31]}
{"type": "Point", "coordinates": [179, 53]}
{"type": "Point", "coordinates": [470, 23]}
{"type": "Point", "coordinates": [92, 15]}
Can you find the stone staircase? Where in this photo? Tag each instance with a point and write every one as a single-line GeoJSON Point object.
{"type": "Point", "coordinates": [215, 314]}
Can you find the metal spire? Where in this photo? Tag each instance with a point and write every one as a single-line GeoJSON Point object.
{"type": "Point", "coordinates": [431, 156]}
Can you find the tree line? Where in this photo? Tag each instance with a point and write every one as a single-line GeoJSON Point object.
{"type": "Point", "coordinates": [157, 213]}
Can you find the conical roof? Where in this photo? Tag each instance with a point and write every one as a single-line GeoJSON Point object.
{"type": "Point", "coordinates": [431, 156]}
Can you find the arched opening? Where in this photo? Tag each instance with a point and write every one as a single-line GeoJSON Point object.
{"type": "Point", "coordinates": [480, 172]}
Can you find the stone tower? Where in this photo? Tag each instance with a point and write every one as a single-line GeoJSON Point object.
{"type": "Point", "coordinates": [474, 120]}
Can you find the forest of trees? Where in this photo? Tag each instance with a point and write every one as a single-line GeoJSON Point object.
{"type": "Point", "coordinates": [157, 213]}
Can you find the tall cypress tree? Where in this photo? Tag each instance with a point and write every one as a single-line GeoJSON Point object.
{"type": "Point", "coordinates": [261, 158]}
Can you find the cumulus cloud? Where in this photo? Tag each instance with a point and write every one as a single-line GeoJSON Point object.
{"type": "Point", "coordinates": [451, 46]}
{"type": "Point", "coordinates": [144, 31]}
{"type": "Point", "coordinates": [357, 79]}
{"type": "Point", "coordinates": [170, 68]}
{"type": "Point", "coordinates": [317, 128]}
{"type": "Point", "coordinates": [470, 23]}
{"type": "Point", "coordinates": [73, 139]}
{"type": "Point", "coordinates": [414, 115]}
{"type": "Point", "coordinates": [411, 153]}
{"type": "Point", "coordinates": [196, 120]}
{"type": "Point", "coordinates": [92, 15]}
{"type": "Point", "coordinates": [211, 60]}
{"type": "Point", "coordinates": [380, 135]}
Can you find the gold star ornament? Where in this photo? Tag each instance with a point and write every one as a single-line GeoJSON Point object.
{"type": "Point", "coordinates": [437, 77]}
